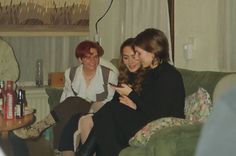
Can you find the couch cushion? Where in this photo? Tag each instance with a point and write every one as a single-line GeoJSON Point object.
{"type": "Point", "coordinates": [142, 137]}
{"type": "Point", "coordinates": [54, 95]}
{"type": "Point", "coordinates": [198, 106]}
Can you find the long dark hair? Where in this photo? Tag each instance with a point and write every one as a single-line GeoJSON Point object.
{"type": "Point", "coordinates": [124, 71]}
{"type": "Point", "coordinates": [154, 41]}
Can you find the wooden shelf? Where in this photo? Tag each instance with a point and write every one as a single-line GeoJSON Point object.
{"type": "Point", "coordinates": [44, 31]}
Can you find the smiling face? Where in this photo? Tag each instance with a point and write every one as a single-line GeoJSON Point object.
{"type": "Point", "coordinates": [130, 59]}
{"type": "Point", "coordinates": [146, 58]}
{"type": "Point", "coordinates": [91, 60]}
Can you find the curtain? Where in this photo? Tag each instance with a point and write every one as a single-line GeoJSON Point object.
{"type": "Point", "coordinates": [57, 53]}
{"type": "Point", "coordinates": [227, 35]}
{"type": "Point", "coordinates": [141, 14]}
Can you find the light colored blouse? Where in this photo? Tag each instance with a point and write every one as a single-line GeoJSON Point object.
{"type": "Point", "coordinates": [88, 92]}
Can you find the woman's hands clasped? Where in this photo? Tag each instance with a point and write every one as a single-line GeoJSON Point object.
{"type": "Point", "coordinates": [124, 90]}
{"type": "Point", "coordinates": [127, 101]}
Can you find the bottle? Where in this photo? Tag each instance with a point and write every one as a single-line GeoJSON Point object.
{"type": "Point", "coordinates": [24, 98]}
{"type": "Point", "coordinates": [1, 96]}
{"type": "Point", "coordinates": [39, 73]}
{"type": "Point", "coordinates": [20, 104]}
{"type": "Point", "coordinates": [9, 105]}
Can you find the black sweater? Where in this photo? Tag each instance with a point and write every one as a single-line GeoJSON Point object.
{"type": "Point", "coordinates": [162, 95]}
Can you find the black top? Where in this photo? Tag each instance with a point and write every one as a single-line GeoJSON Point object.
{"type": "Point", "coordinates": [162, 95]}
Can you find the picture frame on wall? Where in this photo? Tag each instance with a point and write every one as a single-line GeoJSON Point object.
{"type": "Point", "coordinates": [60, 17]}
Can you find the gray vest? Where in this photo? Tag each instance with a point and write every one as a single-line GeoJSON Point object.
{"type": "Point", "coordinates": [105, 74]}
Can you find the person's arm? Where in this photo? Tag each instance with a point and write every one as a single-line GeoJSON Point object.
{"type": "Point", "coordinates": [128, 102]}
{"type": "Point", "coordinates": [112, 79]}
{"type": "Point", "coordinates": [67, 91]}
{"type": "Point", "coordinates": [124, 90]}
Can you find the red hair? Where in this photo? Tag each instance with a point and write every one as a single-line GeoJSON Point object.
{"type": "Point", "coordinates": [84, 47]}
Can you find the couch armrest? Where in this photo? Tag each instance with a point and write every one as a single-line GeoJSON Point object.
{"type": "Point", "coordinates": [54, 95]}
{"type": "Point", "coordinates": [171, 141]}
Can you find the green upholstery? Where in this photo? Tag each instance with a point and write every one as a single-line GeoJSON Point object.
{"type": "Point", "coordinates": [205, 79]}
{"type": "Point", "coordinates": [174, 141]}
{"type": "Point", "coordinates": [179, 141]}
{"type": "Point", "coordinates": [54, 95]}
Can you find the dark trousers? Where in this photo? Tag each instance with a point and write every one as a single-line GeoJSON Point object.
{"type": "Point", "coordinates": [67, 141]}
{"type": "Point", "coordinates": [68, 111]}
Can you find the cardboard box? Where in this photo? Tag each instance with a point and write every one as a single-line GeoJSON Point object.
{"type": "Point", "coordinates": [56, 79]}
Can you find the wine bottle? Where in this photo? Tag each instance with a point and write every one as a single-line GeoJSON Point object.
{"type": "Point", "coordinates": [20, 104]}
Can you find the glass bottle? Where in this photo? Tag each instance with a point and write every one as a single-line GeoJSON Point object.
{"type": "Point", "coordinates": [20, 104]}
{"type": "Point", "coordinates": [24, 98]}
{"type": "Point", "coordinates": [1, 95]}
{"type": "Point", "coordinates": [9, 106]}
{"type": "Point", "coordinates": [39, 73]}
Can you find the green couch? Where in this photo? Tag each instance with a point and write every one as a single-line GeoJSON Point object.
{"type": "Point", "coordinates": [179, 140]}
{"type": "Point", "coordinates": [175, 141]}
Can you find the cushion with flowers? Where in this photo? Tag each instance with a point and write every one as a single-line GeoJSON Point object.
{"type": "Point", "coordinates": [142, 137]}
{"type": "Point", "coordinates": [197, 108]}
{"type": "Point", "coordinates": [198, 105]}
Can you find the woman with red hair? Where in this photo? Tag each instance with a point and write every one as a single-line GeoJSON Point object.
{"type": "Point", "coordinates": [86, 90]}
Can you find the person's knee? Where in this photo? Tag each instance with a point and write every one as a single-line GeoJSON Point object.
{"type": "Point", "coordinates": [86, 122]}
{"type": "Point", "coordinates": [68, 153]}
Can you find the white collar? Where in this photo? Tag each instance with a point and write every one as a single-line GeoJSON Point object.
{"type": "Point", "coordinates": [95, 86]}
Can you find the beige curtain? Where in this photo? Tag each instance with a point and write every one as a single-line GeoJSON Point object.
{"type": "Point", "coordinates": [141, 14]}
{"type": "Point", "coordinates": [57, 54]}
{"type": "Point", "coordinates": [227, 35]}
{"type": "Point", "coordinates": [125, 19]}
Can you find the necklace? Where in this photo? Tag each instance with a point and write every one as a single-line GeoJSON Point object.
{"type": "Point", "coordinates": [88, 77]}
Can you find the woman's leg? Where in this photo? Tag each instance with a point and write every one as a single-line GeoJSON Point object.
{"type": "Point", "coordinates": [85, 124]}
{"type": "Point", "coordinates": [66, 144]}
{"type": "Point", "coordinates": [68, 153]}
{"type": "Point", "coordinates": [66, 141]}
{"type": "Point", "coordinates": [36, 129]}
{"type": "Point", "coordinates": [60, 114]}
{"type": "Point", "coordinates": [89, 147]}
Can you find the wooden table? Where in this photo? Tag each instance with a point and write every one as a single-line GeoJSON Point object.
{"type": "Point", "coordinates": [8, 125]}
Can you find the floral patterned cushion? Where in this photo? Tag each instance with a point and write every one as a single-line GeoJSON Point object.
{"type": "Point", "coordinates": [142, 137]}
{"type": "Point", "coordinates": [198, 106]}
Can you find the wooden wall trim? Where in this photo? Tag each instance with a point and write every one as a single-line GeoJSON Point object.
{"type": "Point", "coordinates": [172, 26]}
